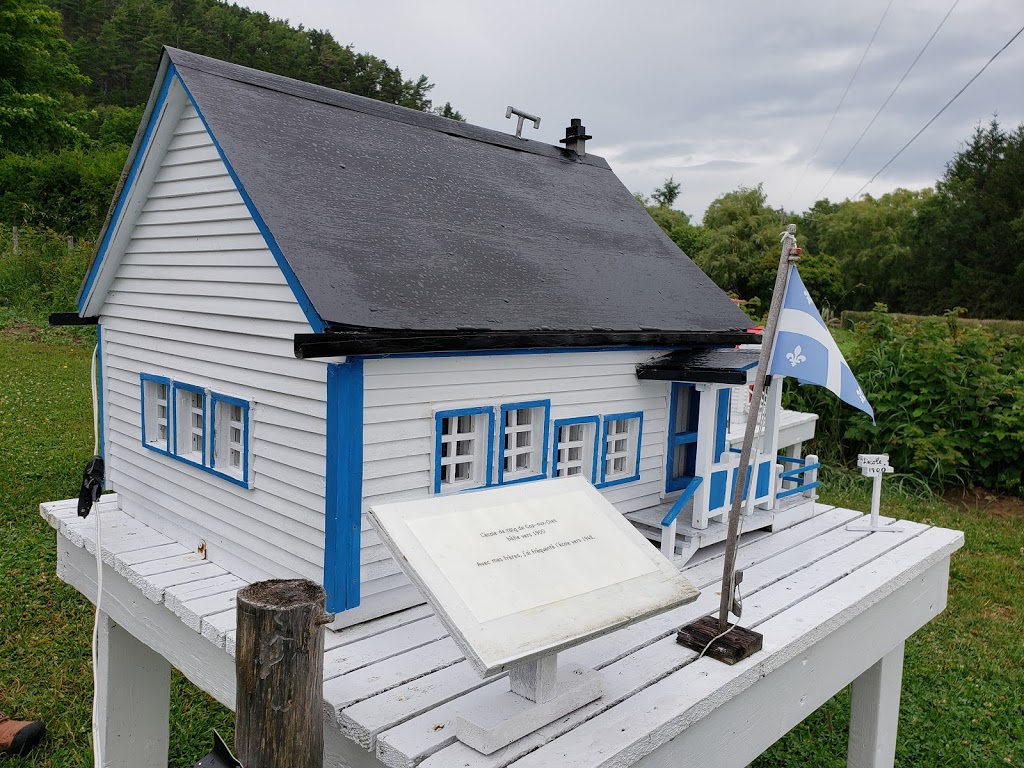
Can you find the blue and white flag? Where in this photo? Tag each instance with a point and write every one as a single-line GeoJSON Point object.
{"type": "Point", "coordinates": [806, 351]}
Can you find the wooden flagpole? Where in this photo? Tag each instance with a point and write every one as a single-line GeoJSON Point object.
{"type": "Point", "coordinates": [702, 635]}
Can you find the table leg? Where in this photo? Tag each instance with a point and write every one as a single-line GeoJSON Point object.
{"type": "Point", "coordinates": [874, 713]}
{"type": "Point", "coordinates": [133, 698]}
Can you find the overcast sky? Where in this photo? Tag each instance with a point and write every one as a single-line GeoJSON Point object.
{"type": "Point", "coordinates": [717, 94]}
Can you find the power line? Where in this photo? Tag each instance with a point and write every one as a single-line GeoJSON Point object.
{"type": "Point", "coordinates": [887, 99]}
{"type": "Point", "coordinates": [944, 108]}
{"type": "Point", "coordinates": [842, 98]}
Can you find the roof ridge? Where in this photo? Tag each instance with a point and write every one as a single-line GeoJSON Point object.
{"type": "Point", "coordinates": [365, 105]}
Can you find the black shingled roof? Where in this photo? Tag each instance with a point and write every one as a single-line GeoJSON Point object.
{"type": "Point", "coordinates": [394, 220]}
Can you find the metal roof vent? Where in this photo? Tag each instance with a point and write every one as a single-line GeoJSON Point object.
{"type": "Point", "coordinates": [576, 137]}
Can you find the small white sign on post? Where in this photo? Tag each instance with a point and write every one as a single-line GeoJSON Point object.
{"type": "Point", "coordinates": [874, 465]}
{"type": "Point", "coordinates": [518, 573]}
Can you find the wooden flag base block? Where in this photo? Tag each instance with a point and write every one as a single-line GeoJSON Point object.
{"type": "Point", "coordinates": [540, 692]}
{"type": "Point", "coordinates": [736, 645]}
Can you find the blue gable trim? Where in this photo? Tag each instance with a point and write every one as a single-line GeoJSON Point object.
{"type": "Point", "coordinates": [314, 319]}
{"type": "Point", "coordinates": [344, 491]}
{"type": "Point", "coordinates": [126, 190]}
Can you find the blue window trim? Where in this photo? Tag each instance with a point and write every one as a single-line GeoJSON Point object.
{"type": "Point", "coordinates": [216, 398]}
{"type": "Point", "coordinates": [608, 419]}
{"type": "Point", "coordinates": [143, 378]}
{"type": "Point", "coordinates": [175, 387]}
{"type": "Point", "coordinates": [675, 439]}
{"type": "Point", "coordinates": [344, 491]}
{"type": "Point", "coordinates": [489, 453]}
{"type": "Point", "coordinates": [722, 422]}
{"type": "Point", "coordinates": [559, 423]}
{"type": "Point", "coordinates": [546, 406]}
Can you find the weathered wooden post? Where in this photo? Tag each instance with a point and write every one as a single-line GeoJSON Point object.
{"type": "Point", "coordinates": [279, 674]}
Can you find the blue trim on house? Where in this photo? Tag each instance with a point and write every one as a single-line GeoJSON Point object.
{"type": "Point", "coordinates": [605, 483]}
{"type": "Point", "coordinates": [126, 190]}
{"type": "Point", "coordinates": [686, 437]}
{"type": "Point", "coordinates": [559, 423]}
{"type": "Point", "coordinates": [99, 388]}
{"type": "Point", "coordinates": [489, 470]}
{"type": "Point", "coordinates": [175, 386]}
{"type": "Point", "coordinates": [343, 495]}
{"type": "Point", "coordinates": [764, 478]}
{"type": "Point", "coordinates": [546, 406]}
{"type": "Point", "coordinates": [312, 317]}
{"type": "Point", "coordinates": [722, 422]}
{"type": "Point", "coordinates": [143, 378]}
{"type": "Point", "coordinates": [216, 398]}
{"type": "Point", "coordinates": [716, 490]}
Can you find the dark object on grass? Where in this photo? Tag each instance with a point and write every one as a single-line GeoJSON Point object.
{"type": "Point", "coordinates": [17, 737]}
{"type": "Point", "coordinates": [735, 645]}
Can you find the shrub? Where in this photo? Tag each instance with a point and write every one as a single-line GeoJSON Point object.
{"type": "Point", "coordinates": [66, 192]}
{"type": "Point", "coordinates": [948, 400]}
{"type": "Point", "coordinates": [44, 275]}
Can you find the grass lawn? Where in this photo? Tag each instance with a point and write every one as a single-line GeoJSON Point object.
{"type": "Point", "coordinates": [963, 691]}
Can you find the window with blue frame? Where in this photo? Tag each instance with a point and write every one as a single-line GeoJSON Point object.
{"type": "Point", "coordinates": [576, 447]}
{"type": "Point", "coordinates": [620, 453]}
{"type": "Point", "coordinates": [189, 423]}
{"type": "Point", "coordinates": [684, 411]}
{"type": "Point", "coordinates": [206, 429]}
{"type": "Point", "coordinates": [156, 411]}
{"type": "Point", "coordinates": [524, 437]}
{"type": "Point", "coordinates": [464, 445]}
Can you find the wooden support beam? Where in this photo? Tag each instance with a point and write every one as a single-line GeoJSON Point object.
{"type": "Point", "coordinates": [279, 674]}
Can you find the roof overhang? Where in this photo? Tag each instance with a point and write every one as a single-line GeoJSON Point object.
{"type": "Point", "coordinates": [716, 366]}
{"type": "Point", "coordinates": [377, 342]}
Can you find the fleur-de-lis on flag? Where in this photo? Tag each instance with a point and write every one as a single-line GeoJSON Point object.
{"type": "Point", "coordinates": [794, 357]}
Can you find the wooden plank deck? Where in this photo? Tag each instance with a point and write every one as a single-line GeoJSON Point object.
{"type": "Point", "coordinates": [393, 686]}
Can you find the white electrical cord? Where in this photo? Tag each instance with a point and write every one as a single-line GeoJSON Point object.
{"type": "Point", "coordinates": [97, 755]}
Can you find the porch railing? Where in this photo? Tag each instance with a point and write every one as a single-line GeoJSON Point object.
{"type": "Point", "coordinates": [804, 474]}
{"type": "Point", "coordinates": [668, 523]}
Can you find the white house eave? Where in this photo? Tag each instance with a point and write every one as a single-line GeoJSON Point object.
{"type": "Point", "coordinates": [155, 132]}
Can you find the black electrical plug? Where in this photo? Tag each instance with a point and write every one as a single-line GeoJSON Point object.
{"type": "Point", "coordinates": [92, 486]}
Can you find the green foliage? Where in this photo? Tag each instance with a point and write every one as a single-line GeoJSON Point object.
{"type": "Point", "coordinates": [44, 275]}
{"type": "Point", "coordinates": [872, 240]}
{"type": "Point", "coordinates": [68, 192]}
{"type": "Point", "coordinates": [676, 224]}
{"type": "Point", "coordinates": [742, 248]}
{"type": "Point", "coordinates": [948, 399]}
{"type": "Point", "coordinates": [665, 195]}
{"type": "Point", "coordinates": [35, 73]}
{"type": "Point", "coordinates": [117, 44]}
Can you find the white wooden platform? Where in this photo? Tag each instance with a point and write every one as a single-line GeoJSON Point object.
{"type": "Point", "coordinates": [834, 606]}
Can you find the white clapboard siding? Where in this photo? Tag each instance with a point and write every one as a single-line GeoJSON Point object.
{"type": "Point", "coordinates": [200, 298]}
{"type": "Point", "coordinates": [402, 395]}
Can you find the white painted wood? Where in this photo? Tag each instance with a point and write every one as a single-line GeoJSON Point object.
{"type": "Point", "coordinates": [509, 716]}
{"type": "Point", "coordinates": [875, 711]}
{"type": "Point", "coordinates": [133, 699]}
{"type": "Point", "coordinates": [664, 710]}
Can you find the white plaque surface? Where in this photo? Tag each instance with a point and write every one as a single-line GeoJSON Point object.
{"type": "Point", "coordinates": [525, 570]}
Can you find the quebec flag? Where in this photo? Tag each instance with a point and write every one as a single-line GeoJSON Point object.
{"type": "Point", "coordinates": [806, 351]}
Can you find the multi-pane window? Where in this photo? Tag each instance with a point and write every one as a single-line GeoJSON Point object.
{"type": "Point", "coordinates": [190, 422]}
{"type": "Point", "coordinates": [205, 429]}
{"type": "Point", "coordinates": [524, 430]}
{"type": "Point", "coordinates": [463, 449]}
{"type": "Point", "coordinates": [621, 452]}
{"type": "Point", "coordinates": [230, 435]}
{"type": "Point", "coordinates": [156, 423]}
{"type": "Point", "coordinates": [576, 447]}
